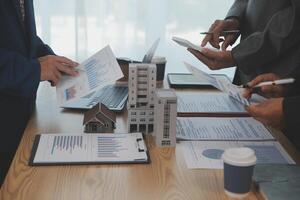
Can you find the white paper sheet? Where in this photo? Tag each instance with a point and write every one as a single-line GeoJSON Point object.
{"type": "Point", "coordinates": [209, 102]}
{"type": "Point", "coordinates": [64, 148]}
{"type": "Point", "coordinates": [220, 128]}
{"type": "Point", "coordinates": [212, 102]}
{"type": "Point", "coordinates": [223, 85]}
{"type": "Point", "coordinates": [94, 73]}
{"type": "Point", "coordinates": [207, 154]}
{"type": "Point", "coordinates": [150, 53]}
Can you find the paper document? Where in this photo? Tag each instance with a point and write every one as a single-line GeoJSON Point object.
{"type": "Point", "coordinates": [90, 148]}
{"type": "Point", "coordinates": [209, 102]}
{"type": "Point", "coordinates": [96, 72]}
{"type": "Point", "coordinates": [207, 154]}
{"type": "Point", "coordinates": [223, 85]}
{"type": "Point", "coordinates": [220, 128]}
{"type": "Point", "coordinates": [150, 53]}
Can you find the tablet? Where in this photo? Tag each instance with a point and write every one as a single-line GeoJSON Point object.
{"type": "Point", "coordinates": [188, 44]}
{"type": "Point", "coordinates": [184, 80]}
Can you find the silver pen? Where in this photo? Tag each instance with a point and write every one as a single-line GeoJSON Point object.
{"type": "Point", "coordinates": [222, 32]}
{"type": "Point", "coordinates": [271, 83]}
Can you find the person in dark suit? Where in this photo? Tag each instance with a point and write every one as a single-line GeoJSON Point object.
{"type": "Point", "coordinates": [270, 39]}
{"type": "Point", "coordinates": [282, 108]}
{"type": "Point", "coordinates": [24, 61]}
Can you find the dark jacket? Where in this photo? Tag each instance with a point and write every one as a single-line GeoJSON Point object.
{"type": "Point", "coordinates": [20, 48]}
{"type": "Point", "coordinates": [270, 37]}
{"type": "Point", "coordinates": [291, 110]}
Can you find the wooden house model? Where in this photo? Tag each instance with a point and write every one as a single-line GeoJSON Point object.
{"type": "Point", "coordinates": [99, 119]}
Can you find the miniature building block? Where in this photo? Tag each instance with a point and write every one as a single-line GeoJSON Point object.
{"type": "Point", "coordinates": [140, 120]}
{"type": "Point", "coordinates": [99, 119]}
{"type": "Point", "coordinates": [165, 115]}
{"type": "Point", "coordinates": [141, 86]}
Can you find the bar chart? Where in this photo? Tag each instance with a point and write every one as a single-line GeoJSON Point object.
{"type": "Point", "coordinates": [67, 143]}
{"type": "Point", "coordinates": [109, 146]}
{"type": "Point", "coordinates": [90, 148]}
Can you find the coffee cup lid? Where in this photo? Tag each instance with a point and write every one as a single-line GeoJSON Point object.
{"type": "Point", "coordinates": [158, 59]}
{"type": "Point", "coordinates": [242, 156]}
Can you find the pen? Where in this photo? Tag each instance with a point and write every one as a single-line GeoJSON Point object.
{"type": "Point", "coordinates": [222, 32]}
{"type": "Point", "coordinates": [277, 82]}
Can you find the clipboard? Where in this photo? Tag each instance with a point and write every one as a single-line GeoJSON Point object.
{"type": "Point", "coordinates": [41, 153]}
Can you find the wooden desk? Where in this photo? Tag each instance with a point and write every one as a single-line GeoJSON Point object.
{"type": "Point", "coordinates": [167, 177]}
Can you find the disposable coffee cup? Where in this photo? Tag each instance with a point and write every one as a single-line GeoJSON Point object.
{"type": "Point", "coordinates": [238, 171]}
{"type": "Point", "coordinates": [160, 67]}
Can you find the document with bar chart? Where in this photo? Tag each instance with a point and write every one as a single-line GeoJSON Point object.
{"type": "Point", "coordinates": [98, 71]}
{"type": "Point", "coordinates": [58, 149]}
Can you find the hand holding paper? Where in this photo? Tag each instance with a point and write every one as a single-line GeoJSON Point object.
{"type": "Point", "coordinates": [269, 112]}
{"type": "Point", "coordinates": [227, 87]}
{"type": "Point", "coordinates": [53, 67]}
{"type": "Point", "coordinates": [94, 73]}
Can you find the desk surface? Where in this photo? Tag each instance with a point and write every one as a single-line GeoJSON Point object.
{"type": "Point", "coordinates": [167, 177]}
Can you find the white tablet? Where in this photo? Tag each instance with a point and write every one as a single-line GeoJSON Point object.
{"type": "Point", "coordinates": [188, 44]}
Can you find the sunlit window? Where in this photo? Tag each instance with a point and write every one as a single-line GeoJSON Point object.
{"type": "Point", "coordinates": [79, 28]}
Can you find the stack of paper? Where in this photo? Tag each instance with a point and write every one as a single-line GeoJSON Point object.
{"type": "Point", "coordinates": [210, 136]}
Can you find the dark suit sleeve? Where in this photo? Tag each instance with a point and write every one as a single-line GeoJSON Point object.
{"type": "Point", "coordinates": [294, 89]}
{"type": "Point", "coordinates": [291, 110]}
{"type": "Point", "coordinates": [42, 48]}
{"type": "Point", "coordinates": [237, 10]}
{"type": "Point", "coordinates": [281, 33]}
{"type": "Point", "coordinates": [19, 76]}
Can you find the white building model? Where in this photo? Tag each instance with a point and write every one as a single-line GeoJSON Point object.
{"type": "Point", "coordinates": [142, 85]}
{"type": "Point", "coordinates": [165, 117]}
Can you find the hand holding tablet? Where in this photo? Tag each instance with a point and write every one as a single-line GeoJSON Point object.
{"type": "Point", "coordinates": [188, 44]}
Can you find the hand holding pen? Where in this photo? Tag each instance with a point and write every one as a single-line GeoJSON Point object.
{"type": "Point", "coordinates": [228, 28]}
{"type": "Point", "coordinates": [267, 85]}
{"type": "Point", "coordinates": [270, 111]}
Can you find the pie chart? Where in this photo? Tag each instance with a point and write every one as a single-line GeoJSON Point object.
{"type": "Point", "coordinates": [213, 153]}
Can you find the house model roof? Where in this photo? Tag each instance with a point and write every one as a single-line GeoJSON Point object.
{"type": "Point", "coordinates": [99, 108]}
